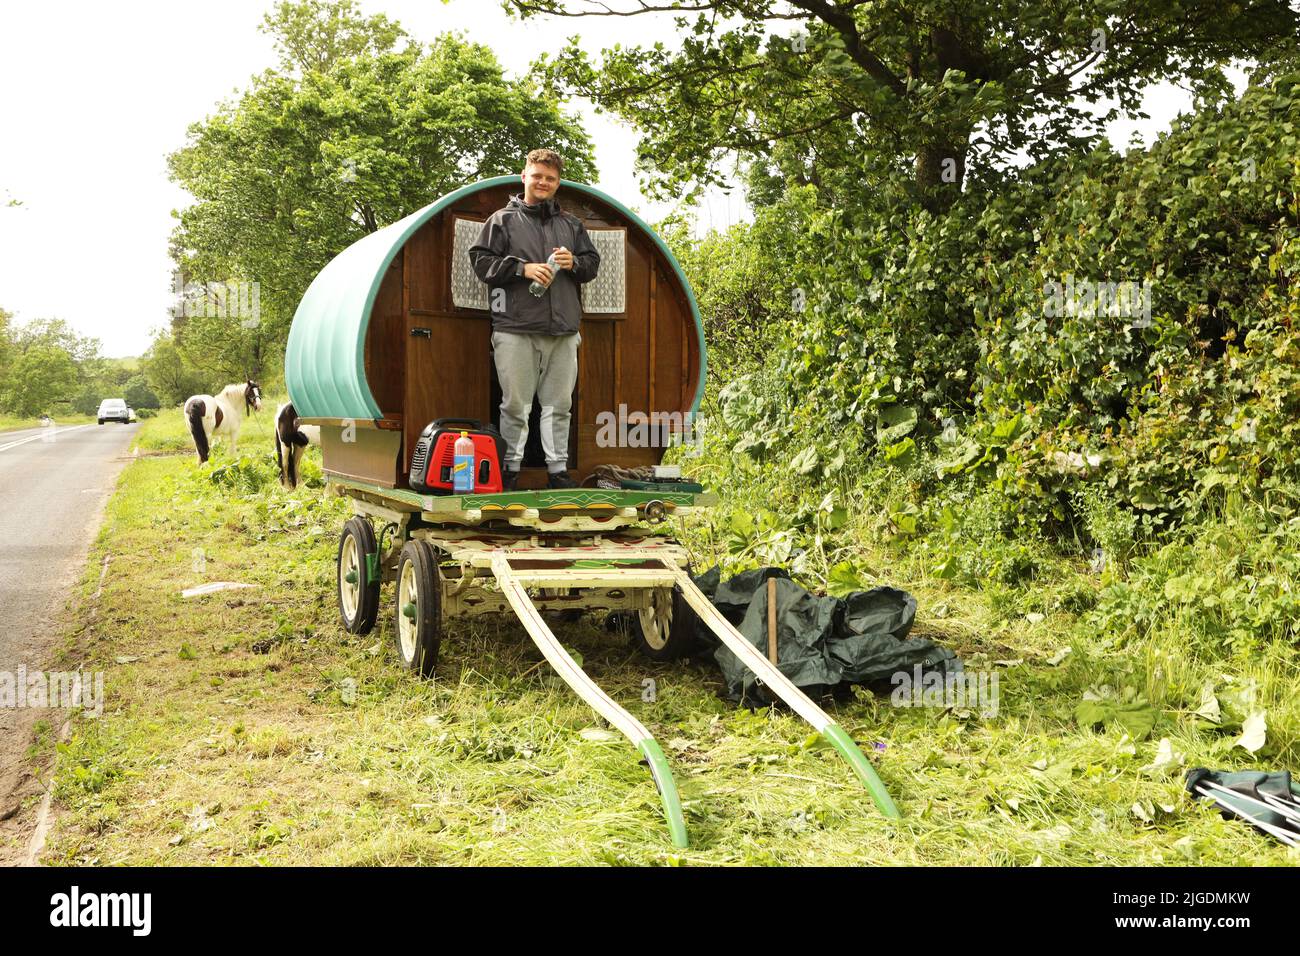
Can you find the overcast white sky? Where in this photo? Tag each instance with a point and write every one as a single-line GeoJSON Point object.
{"type": "Point", "coordinates": [93, 96]}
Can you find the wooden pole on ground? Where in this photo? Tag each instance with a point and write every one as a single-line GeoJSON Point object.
{"type": "Point", "coordinates": [771, 620]}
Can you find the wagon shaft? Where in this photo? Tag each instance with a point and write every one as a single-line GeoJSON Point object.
{"type": "Point", "coordinates": [513, 587]}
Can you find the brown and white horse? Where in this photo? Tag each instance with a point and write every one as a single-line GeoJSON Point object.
{"type": "Point", "coordinates": [221, 414]}
{"type": "Point", "coordinates": [291, 441]}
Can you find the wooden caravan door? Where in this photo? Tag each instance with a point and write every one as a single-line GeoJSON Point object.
{"type": "Point", "coordinates": [442, 381]}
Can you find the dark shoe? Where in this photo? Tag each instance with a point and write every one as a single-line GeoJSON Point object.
{"type": "Point", "coordinates": [560, 479]}
{"type": "Point", "coordinates": [509, 480]}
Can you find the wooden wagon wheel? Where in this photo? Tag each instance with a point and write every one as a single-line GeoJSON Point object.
{"type": "Point", "coordinates": [665, 630]}
{"type": "Point", "coordinates": [418, 627]}
{"type": "Point", "coordinates": [358, 576]}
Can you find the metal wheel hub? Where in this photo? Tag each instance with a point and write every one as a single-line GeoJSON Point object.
{"type": "Point", "coordinates": [408, 601]}
{"type": "Point", "coordinates": [350, 577]}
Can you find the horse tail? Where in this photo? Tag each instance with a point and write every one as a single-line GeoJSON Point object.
{"type": "Point", "coordinates": [289, 437]}
{"type": "Point", "coordinates": [195, 409]}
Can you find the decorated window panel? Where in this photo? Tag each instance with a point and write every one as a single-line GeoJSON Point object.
{"type": "Point", "coordinates": [607, 293]}
{"type": "Point", "coordinates": [468, 291]}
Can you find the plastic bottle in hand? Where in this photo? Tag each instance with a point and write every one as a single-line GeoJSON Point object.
{"type": "Point", "coordinates": [462, 469]}
{"type": "Point", "coordinates": [537, 288]}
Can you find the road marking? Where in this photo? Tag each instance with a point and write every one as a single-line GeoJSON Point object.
{"type": "Point", "coordinates": [24, 441]}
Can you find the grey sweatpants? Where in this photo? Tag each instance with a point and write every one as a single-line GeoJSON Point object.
{"type": "Point", "coordinates": [544, 365]}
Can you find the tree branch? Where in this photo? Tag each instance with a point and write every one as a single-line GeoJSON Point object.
{"type": "Point", "coordinates": [841, 20]}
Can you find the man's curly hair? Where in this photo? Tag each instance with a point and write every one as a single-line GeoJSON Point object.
{"type": "Point", "coordinates": [547, 157]}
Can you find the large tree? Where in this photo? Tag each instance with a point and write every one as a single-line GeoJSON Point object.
{"type": "Point", "coordinates": [348, 135]}
{"type": "Point", "coordinates": [167, 373]}
{"type": "Point", "coordinates": [57, 333]}
{"type": "Point", "coordinates": [46, 365]}
{"type": "Point", "coordinates": [43, 377]}
{"type": "Point", "coordinates": [315, 35]}
{"type": "Point", "coordinates": [837, 91]}
{"type": "Point", "coordinates": [138, 394]}
{"type": "Point", "coordinates": [7, 347]}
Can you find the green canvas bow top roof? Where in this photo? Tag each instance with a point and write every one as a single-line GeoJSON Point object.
{"type": "Point", "coordinates": [324, 364]}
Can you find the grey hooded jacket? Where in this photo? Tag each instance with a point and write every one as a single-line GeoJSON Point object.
{"type": "Point", "coordinates": [519, 234]}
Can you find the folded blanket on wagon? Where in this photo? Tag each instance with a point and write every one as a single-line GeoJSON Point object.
{"type": "Point", "coordinates": [615, 477]}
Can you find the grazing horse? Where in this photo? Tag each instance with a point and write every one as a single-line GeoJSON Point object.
{"type": "Point", "coordinates": [221, 414]}
{"type": "Point", "coordinates": [293, 436]}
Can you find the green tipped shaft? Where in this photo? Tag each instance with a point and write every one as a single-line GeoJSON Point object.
{"type": "Point", "coordinates": [663, 778]}
{"type": "Point", "coordinates": [837, 737]}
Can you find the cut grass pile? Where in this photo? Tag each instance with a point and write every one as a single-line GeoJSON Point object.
{"type": "Point", "coordinates": [246, 727]}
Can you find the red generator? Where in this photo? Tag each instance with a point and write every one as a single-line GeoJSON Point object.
{"type": "Point", "coordinates": [435, 453]}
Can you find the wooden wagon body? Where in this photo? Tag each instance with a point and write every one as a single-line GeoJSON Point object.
{"type": "Point", "coordinates": [395, 332]}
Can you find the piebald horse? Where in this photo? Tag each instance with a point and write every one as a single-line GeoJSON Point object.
{"type": "Point", "coordinates": [291, 441]}
{"type": "Point", "coordinates": [221, 414]}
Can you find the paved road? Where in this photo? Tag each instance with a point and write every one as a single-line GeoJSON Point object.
{"type": "Point", "coordinates": [52, 489]}
{"type": "Point", "coordinates": [52, 495]}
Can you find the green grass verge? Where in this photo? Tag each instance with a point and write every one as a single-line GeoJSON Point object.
{"type": "Point", "coordinates": [247, 728]}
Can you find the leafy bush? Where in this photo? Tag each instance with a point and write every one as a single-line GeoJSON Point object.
{"type": "Point", "coordinates": [1229, 585]}
{"type": "Point", "coordinates": [939, 344]}
{"type": "Point", "coordinates": [1110, 528]}
{"type": "Point", "coordinates": [970, 543]}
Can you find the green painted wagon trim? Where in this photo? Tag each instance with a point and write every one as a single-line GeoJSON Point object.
{"type": "Point", "coordinates": [324, 363]}
{"type": "Point", "coordinates": [542, 499]}
{"type": "Point", "coordinates": [667, 786]}
{"type": "Point", "coordinates": [402, 495]}
{"type": "Point", "coordinates": [577, 497]}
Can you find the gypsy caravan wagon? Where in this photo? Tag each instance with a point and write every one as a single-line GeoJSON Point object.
{"type": "Point", "coordinates": [395, 334]}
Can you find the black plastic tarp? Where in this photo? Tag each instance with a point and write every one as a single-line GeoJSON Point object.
{"type": "Point", "coordinates": [823, 642]}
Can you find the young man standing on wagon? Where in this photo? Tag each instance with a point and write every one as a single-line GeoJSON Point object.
{"type": "Point", "coordinates": [535, 338]}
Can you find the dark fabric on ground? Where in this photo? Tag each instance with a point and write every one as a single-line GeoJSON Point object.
{"type": "Point", "coordinates": [1252, 783]}
{"type": "Point", "coordinates": [822, 642]}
